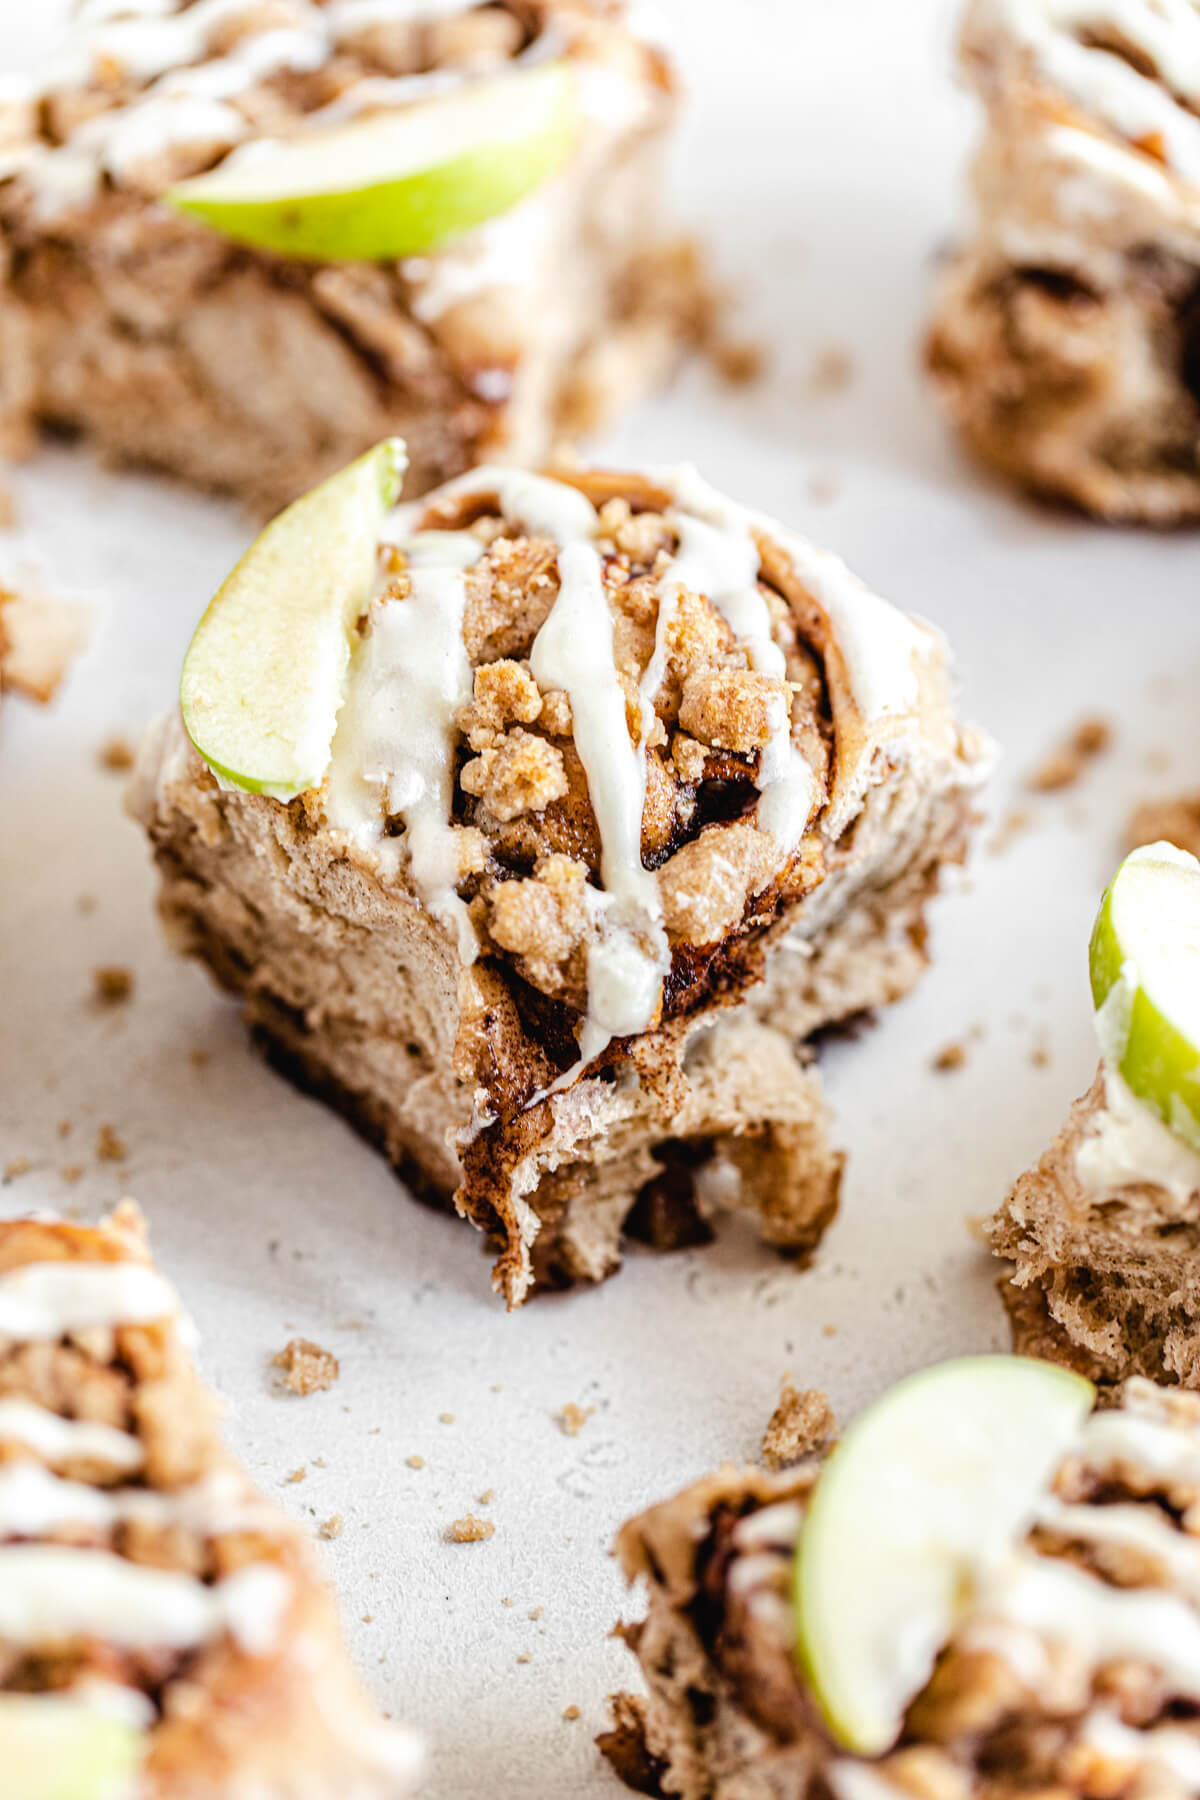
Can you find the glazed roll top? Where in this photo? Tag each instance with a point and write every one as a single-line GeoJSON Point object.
{"type": "Point", "coordinates": [615, 726]}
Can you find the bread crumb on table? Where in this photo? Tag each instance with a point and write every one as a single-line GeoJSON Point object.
{"type": "Point", "coordinates": [1063, 767]}
{"type": "Point", "coordinates": [1177, 820]}
{"type": "Point", "coordinates": [469, 1530]}
{"type": "Point", "coordinates": [112, 984]}
{"type": "Point", "coordinates": [801, 1423]}
{"type": "Point", "coordinates": [295, 1476]}
{"type": "Point", "coordinates": [307, 1369]}
{"type": "Point", "coordinates": [116, 754]}
{"type": "Point", "coordinates": [950, 1057]}
{"type": "Point", "coordinates": [415, 1462]}
{"type": "Point", "coordinates": [331, 1528]}
{"type": "Point", "coordinates": [72, 1172]}
{"type": "Point", "coordinates": [570, 1712]}
{"type": "Point", "coordinates": [109, 1147]}
{"type": "Point", "coordinates": [446, 1418]}
{"type": "Point", "coordinates": [572, 1418]}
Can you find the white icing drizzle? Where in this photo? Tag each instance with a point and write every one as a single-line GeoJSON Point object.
{"type": "Point", "coordinates": [771, 1527]}
{"type": "Point", "coordinates": [1152, 1448]}
{"type": "Point", "coordinates": [1128, 1144]}
{"type": "Point", "coordinates": [1170, 1747]}
{"type": "Point", "coordinates": [61, 1440]}
{"type": "Point", "coordinates": [393, 751]}
{"type": "Point", "coordinates": [33, 1502]}
{"type": "Point", "coordinates": [186, 97]}
{"type": "Point", "coordinates": [1100, 1624]}
{"type": "Point", "coordinates": [50, 1593]}
{"type": "Point", "coordinates": [1132, 105]}
{"type": "Point", "coordinates": [861, 1781]}
{"type": "Point", "coordinates": [717, 557]}
{"type": "Point", "coordinates": [1140, 1528]}
{"type": "Point", "coordinates": [51, 1299]}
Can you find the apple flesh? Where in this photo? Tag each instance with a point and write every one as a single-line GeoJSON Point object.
{"type": "Point", "coordinates": [264, 675]}
{"type": "Point", "coordinates": [930, 1484]}
{"type": "Point", "coordinates": [55, 1748]}
{"type": "Point", "coordinates": [1145, 968]}
{"type": "Point", "coordinates": [397, 183]}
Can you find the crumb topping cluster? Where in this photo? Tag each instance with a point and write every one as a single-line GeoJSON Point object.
{"type": "Point", "coordinates": [530, 852]}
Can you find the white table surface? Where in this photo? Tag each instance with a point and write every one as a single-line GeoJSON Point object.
{"type": "Point", "coordinates": [824, 158]}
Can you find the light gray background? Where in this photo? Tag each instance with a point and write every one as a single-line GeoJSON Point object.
{"type": "Point", "coordinates": [824, 158]}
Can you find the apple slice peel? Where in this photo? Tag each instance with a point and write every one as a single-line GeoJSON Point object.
{"type": "Point", "coordinates": [1144, 961]}
{"type": "Point", "coordinates": [264, 675]}
{"type": "Point", "coordinates": [929, 1486]}
{"type": "Point", "coordinates": [396, 183]}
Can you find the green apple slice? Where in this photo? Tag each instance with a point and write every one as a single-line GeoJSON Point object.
{"type": "Point", "coordinates": [395, 183]}
{"type": "Point", "coordinates": [264, 674]}
{"type": "Point", "coordinates": [55, 1748]}
{"type": "Point", "coordinates": [932, 1482]}
{"type": "Point", "coordinates": [1145, 969]}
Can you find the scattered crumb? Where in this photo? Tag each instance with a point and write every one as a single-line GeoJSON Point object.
{"type": "Point", "coordinates": [8, 509]}
{"type": "Point", "coordinates": [65, 1128]}
{"type": "Point", "coordinates": [86, 903]}
{"type": "Point", "coordinates": [801, 1423]}
{"type": "Point", "coordinates": [487, 1496]}
{"type": "Point", "coordinates": [367, 1618]}
{"type": "Point", "coordinates": [832, 370]}
{"type": "Point", "coordinates": [525, 1657]}
{"type": "Point", "coordinates": [20, 1165]}
{"type": "Point", "coordinates": [446, 1418]}
{"type": "Point", "coordinates": [112, 984]}
{"type": "Point", "coordinates": [1039, 1056]}
{"type": "Point", "coordinates": [950, 1056]}
{"type": "Point", "coordinates": [1177, 820]}
{"type": "Point", "coordinates": [116, 754]}
{"type": "Point", "coordinates": [570, 1712]}
{"type": "Point", "coordinates": [977, 1226]}
{"type": "Point", "coordinates": [319, 1462]}
{"type": "Point", "coordinates": [199, 1059]}
{"type": "Point", "coordinates": [829, 1330]}
{"type": "Point", "coordinates": [573, 1418]}
{"type": "Point", "coordinates": [535, 1612]}
{"type": "Point", "coordinates": [295, 1476]}
{"type": "Point", "coordinates": [72, 1172]}
{"type": "Point", "coordinates": [307, 1369]}
{"type": "Point", "coordinates": [823, 487]}
{"type": "Point", "coordinates": [1013, 825]}
{"type": "Point", "coordinates": [109, 1147]}
{"type": "Point", "coordinates": [739, 360]}
{"type": "Point", "coordinates": [331, 1528]}
{"type": "Point", "coordinates": [1063, 767]}
{"type": "Point", "coordinates": [469, 1530]}
{"type": "Point", "coordinates": [507, 1602]}
{"type": "Point", "coordinates": [415, 1462]}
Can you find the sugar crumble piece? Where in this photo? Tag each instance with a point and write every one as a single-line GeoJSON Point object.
{"type": "Point", "coordinates": [1063, 767]}
{"type": "Point", "coordinates": [949, 1057]}
{"type": "Point", "coordinates": [801, 1424]}
{"type": "Point", "coordinates": [415, 1462]}
{"type": "Point", "coordinates": [469, 1530]}
{"type": "Point", "coordinates": [116, 754]}
{"type": "Point", "coordinates": [307, 1369]}
{"type": "Point", "coordinates": [112, 984]}
{"type": "Point", "coordinates": [331, 1528]}
{"type": "Point", "coordinates": [570, 1712]}
{"type": "Point", "coordinates": [572, 1418]}
{"type": "Point", "coordinates": [109, 1147]}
